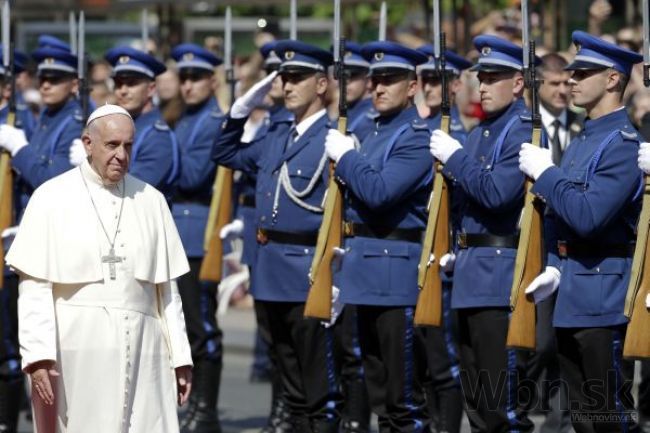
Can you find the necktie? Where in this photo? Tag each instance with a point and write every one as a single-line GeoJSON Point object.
{"type": "Point", "coordinates": [293, 134]}
{"type": "Point", "coordinates": [556, 147]}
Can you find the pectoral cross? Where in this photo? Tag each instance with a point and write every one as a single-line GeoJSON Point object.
{"type": "Point", "coordinates": [111, 259]}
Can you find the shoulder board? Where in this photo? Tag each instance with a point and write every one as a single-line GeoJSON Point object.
{"type": "Point", "coordinates": [217, 114]}
{"type": "Point", "coordinates": [526, 117]}
{"type": "Point", "coordinates": [629, 135]}
{"type": "Point", "coordinates": [419, 124]}
{"type": "Point", "coordinates": [21, 106]}
{"type": "Point", "coordinates": [160, 125]}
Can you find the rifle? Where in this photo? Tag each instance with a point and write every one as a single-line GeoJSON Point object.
{"type": "Point", "coordinates": [221, 202]}
{"type": "Point", "coordinates": [437, 237]}
{"type": "Point", "coordinates": [383, 19]}
{"type": "Point", "coordinates": [529, 259]}
{"type": "Point", "coordinates": [82, 69]}
{"type": "Point", "coordinates": [637, 339]}
{"type": "Point", "coordinates": [6, 175]}
{"type": "Point", "coordinates": [319, 299]}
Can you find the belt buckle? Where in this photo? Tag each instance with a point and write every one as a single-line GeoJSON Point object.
{"type": "Point", "coordinates": [461, 239]}
{"type": "Point", "coordinates": [348, 229]}
{"type": "Point", "coordinates": [262, 237]}
{"type": "Point", "coordinates": [562, 249]}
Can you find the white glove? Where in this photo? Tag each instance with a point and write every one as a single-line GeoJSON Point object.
{"type": "Point", "coordinates": [12, 139]}
{"type": "Point", "coordinates": [233, 229]}
{"type": "Point", "coordinates": [447, 261]}
{"type": "Point", "coordinates": [337, 144]}
{"type": "Point", "coordinates": [77, 153]}
{"type": "Point", "coordinates": [545, 284]}
{"type": "Point", "coordinates": [533, 160]}
{"type": "Point", "coordinates": [337, 307]}
{"type": "Point", "coordinates": [644, 157]}
{"type": "Point", "coordinates": [253, 98]}
{"type": "Point", "coordinates": [647, 301]}
{"type": "Point", "coordinates": [443, 145]}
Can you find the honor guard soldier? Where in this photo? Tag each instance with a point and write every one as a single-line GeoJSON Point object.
{"type": "Point", "coordinates": [387, 183]}
{"type": "Point", "coordinates": [445, 400]}
{"type": "Point", "coordinates": [488, 190]}
{"type": "Point", "coordinates": [593, 203]}
{"type": "Point", "coordinates": [155, 156]}
{"type": "Point", "coordinates": [290, 164]}
{"type": "Point", "coordinates": [11, 376]}
{"type": "Point", "coordinates": [196, 131]}
{"type": "Point", "coordinates": [361, 114]}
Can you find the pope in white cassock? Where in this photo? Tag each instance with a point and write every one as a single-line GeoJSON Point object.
{"type": "Point", "coordinates": [101, 324]}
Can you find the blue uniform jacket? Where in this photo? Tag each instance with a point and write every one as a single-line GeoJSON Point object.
{"type": "Point", "coordinates": [489, 192]}
{"type": "Point", "coordinates": [361, 118]}
{"type": "Point", "coordinates": [47, 154]}
{"type": "Point", "coordinates": [387, 185]}
{"type": "Point", "coordinates": [155, 157]}
{"type": "Point", "coordinates": [593, 197]}
{"type": "Point", "coordinates": [247, 187]}
{"type": "Point", "coordinates": [25, 120]}
{"type": "Point", "coordinates": [196, 132]}
{"type": "Point", "coordinates": [281, 270]}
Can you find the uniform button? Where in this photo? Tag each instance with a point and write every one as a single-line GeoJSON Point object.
{"type": "Point", "coordinates": [498, 251]}
{"type": "Point", "coordinates": [597, 269]}
{"type": "Point", "coordinates": [186, 212]}
{"type": "Point", "coordinates": [298, 172]}
{"type": "Point", "coordinates": [486, 133]}
{"type": "Point", "coordinates": [385, 251]}
{"type": "Point", "coordinates": [263, 218]}
{"type": "Point", "coordinates": [268, 194]}
{"type": "Point", "coordinates": [306, 251]}
{"type": "Point", "coordinates": [488, 166]}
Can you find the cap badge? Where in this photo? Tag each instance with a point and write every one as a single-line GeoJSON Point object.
{"type": "Point", "coordinates": [485, 51]}
{"type": "Point", "coordinates": [124, 59]}
{"type": "Point", "coordinates": [288, 55]}
{"type": "Point", "coordinates": [188, 56]}
{"type": "Point", "coordinates": [348, 54]}
{"type": "Point", "coordinates": [48, 60]}
{"type": "Point", "coordinates": [578, 47]}
{"type": "Point", "coordinates": [379, 56]}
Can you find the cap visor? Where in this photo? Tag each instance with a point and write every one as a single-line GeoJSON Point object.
{"type": "Point", "coordinates": [384, 72]}
{"type": "Point", "coordinates": [298, 70]}
{"type": "Point", "coordinates": [486, 67]}
{"type": "Point", "coordinates": [581, 65]}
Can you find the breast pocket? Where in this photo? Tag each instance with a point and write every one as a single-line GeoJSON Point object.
{"type": "Point", "coordinates": [388, 267]}
{"type": "Point", "coordinates": [598, 287]}
{"type": "Point", "coordinates": [492, 270]}
{"type": "Point", "coordinates": [301, 176]}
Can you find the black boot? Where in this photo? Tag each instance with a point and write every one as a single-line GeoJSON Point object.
{"type": "Point", "coordinates": [202, 415]}
{"type": "Point", "coordinates": [11, 392]}
{"type": "Point", "coordinates": [278, 421]}
{"type": "Point", "coordinates": [450, 410]}
{"type": "Point", "coordinates": [356, 412]}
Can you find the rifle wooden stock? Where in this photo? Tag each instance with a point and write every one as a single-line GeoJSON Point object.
{"type": "Point", "coordinates": [637, 338]}
{"type": "Point", "coordinates": [219, 216]}
{"type": "Point", "coordinates": [428, 310]}
{"type": "Point", "coordinates": [6, 195]}
{"type": "Point", "coordinates": [528, 265]}
{"type": "Point", "coordinates": [319, 299]}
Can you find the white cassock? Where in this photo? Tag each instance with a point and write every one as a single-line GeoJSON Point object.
{"type": "Point", "coordinates": [117, 341]}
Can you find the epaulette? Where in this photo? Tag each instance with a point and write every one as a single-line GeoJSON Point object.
{"type": "Point", "coordinates": [526, 117]}
{"type": "Point", "coordinates": [629, 135]}
{"type": "Point", "coordinates": [160, 125]}
{"type": "Point", "coordinates": [419, 124]}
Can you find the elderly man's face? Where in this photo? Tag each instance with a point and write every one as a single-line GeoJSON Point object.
{"type": "Point", "coordinates": [108, 144]}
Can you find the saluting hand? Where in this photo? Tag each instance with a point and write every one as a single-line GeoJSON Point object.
{"type": "Point", "coordinates": [337, 144]}
{"type": "Point", "coordinates": [253, 98]}
{"type": "Point", "coordinates": [443, 145]}
{"type": "Point", "coordinates": [644, 157]}
{"type": "Point", "coordinates": [183, 383]}
{"type": "Point", "coordinates": [533, 160]}
{"type": "Point", "coordinates": [40, 373]}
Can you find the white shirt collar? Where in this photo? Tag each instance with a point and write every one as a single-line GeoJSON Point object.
{"type": "Point", "coordinates": [548, 118]}
{"type": "Point", "coordinates": [303, 126]}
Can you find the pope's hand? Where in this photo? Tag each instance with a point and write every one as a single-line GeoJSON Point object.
{"type": "Point", "coordinates": [253, 98]}
{"type": "Point", "coordinates": [77, 152]}
{"type": "Point", "coordinates": [233, 229]}
{"type": "Point", "coordinates": [12, 139]}
{"type": "Point", "coordinates": [41, 374]}
{"type": "Point", "coordinates": [184, 383]}
{"type": "Point", "coordinates": [443, 145]}
{"type": "Point", "coordinates": [644, 157]}
{"type": "Point", "coordinates": [534, 161]}
{"type": "Point", "coordinates": [545, 284]}
{"type": "Point", "coordinates": [337, 144]}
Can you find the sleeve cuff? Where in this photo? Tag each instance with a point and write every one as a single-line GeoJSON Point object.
{"type": "Point", "coordinates": [453, 168]}
{"type": "Point", "coordinates": [543, 186]}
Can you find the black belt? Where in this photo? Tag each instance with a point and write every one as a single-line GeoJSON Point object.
{"type": "Point", "coordinates": [246, 200]}
{"type": "Point", "coordinates": [588, 249]}
{"type": "Point", "coordinates": [351, 229]}
{"type": "Point", "coordinates": [296, 238]}
{"type": "Point", "coordinates": [180, 198]}
{"type": "Point", "coordinates": [467, 240]}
